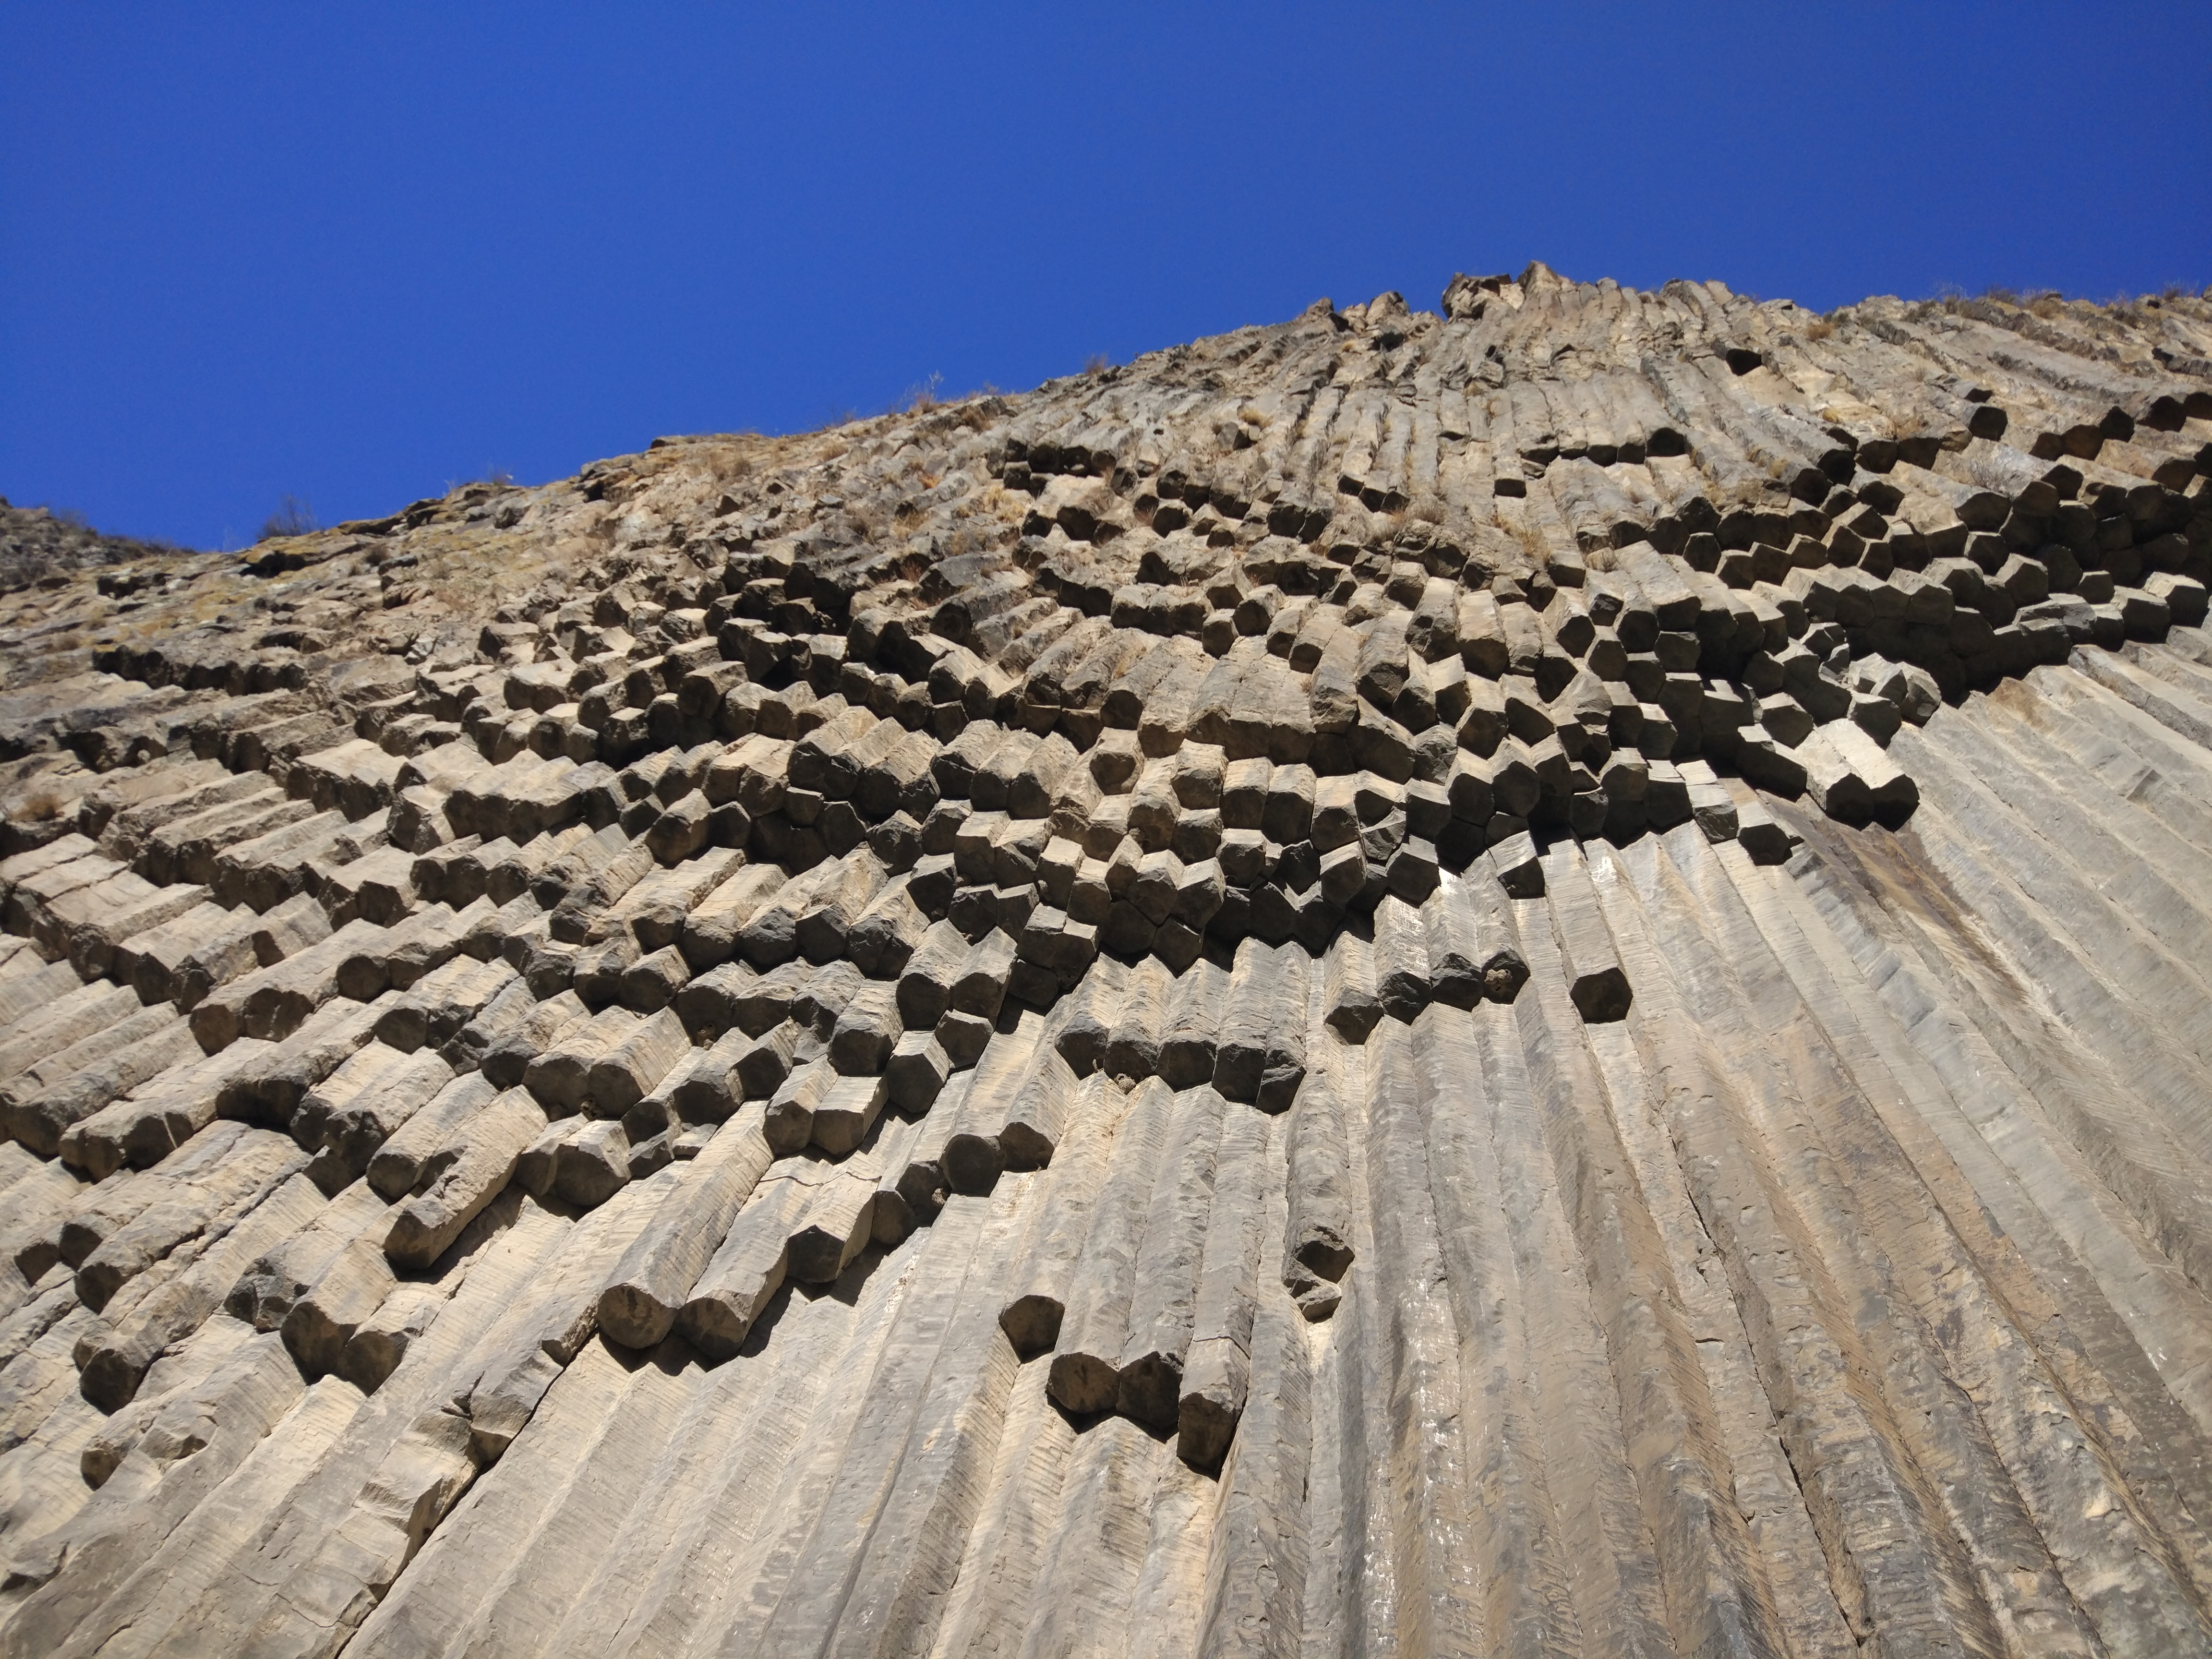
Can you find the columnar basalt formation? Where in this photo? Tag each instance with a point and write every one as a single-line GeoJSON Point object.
{"type": "Point", "coordinates": [1533, 979]}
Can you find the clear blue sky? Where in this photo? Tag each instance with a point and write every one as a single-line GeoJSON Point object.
{"type": "Point", "coordinates": [357, 253]}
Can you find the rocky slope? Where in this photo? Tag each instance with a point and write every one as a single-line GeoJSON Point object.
{"type": "Point", "coordinates": [1530, 979]}
{"type": "Point", "coordinates": [36, 545]}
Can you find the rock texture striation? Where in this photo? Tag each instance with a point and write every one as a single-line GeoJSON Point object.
{"type": "Point", "coordinates": [1533, 980]}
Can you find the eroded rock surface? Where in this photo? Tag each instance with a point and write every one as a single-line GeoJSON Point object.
{"type": "Point", "coordinates": [1534, 978]}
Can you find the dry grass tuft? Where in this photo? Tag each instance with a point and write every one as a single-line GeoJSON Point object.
{"type": "Point", "coordinates": [1530, 539]}
{"type": "Point", "coordinates": [1984, 473]}
{"type": "Point", "coordinates": [40, 806]}
{"type": "Point", "coordinates": [728, 462]}
{"type": "Point", "coordinates": [293, 517]}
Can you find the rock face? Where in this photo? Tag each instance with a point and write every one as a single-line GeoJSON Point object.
{"type": "Point", "coordinates": [1531, 980]}
{"type": "Point", "coordinates": [37, 544]}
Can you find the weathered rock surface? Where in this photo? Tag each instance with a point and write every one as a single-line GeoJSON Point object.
{"type": "Point", "coordinates": [1532, 979]}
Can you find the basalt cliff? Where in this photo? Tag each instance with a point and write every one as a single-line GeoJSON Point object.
{"type": "Point", "coordinates": [1533, 979]}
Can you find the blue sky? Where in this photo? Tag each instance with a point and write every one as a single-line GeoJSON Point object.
{"type": "Point", "coordinates": [358, 254]}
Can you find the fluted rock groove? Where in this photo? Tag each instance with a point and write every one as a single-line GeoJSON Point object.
{"type": "Point", "coordinates": [1533, 979]}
